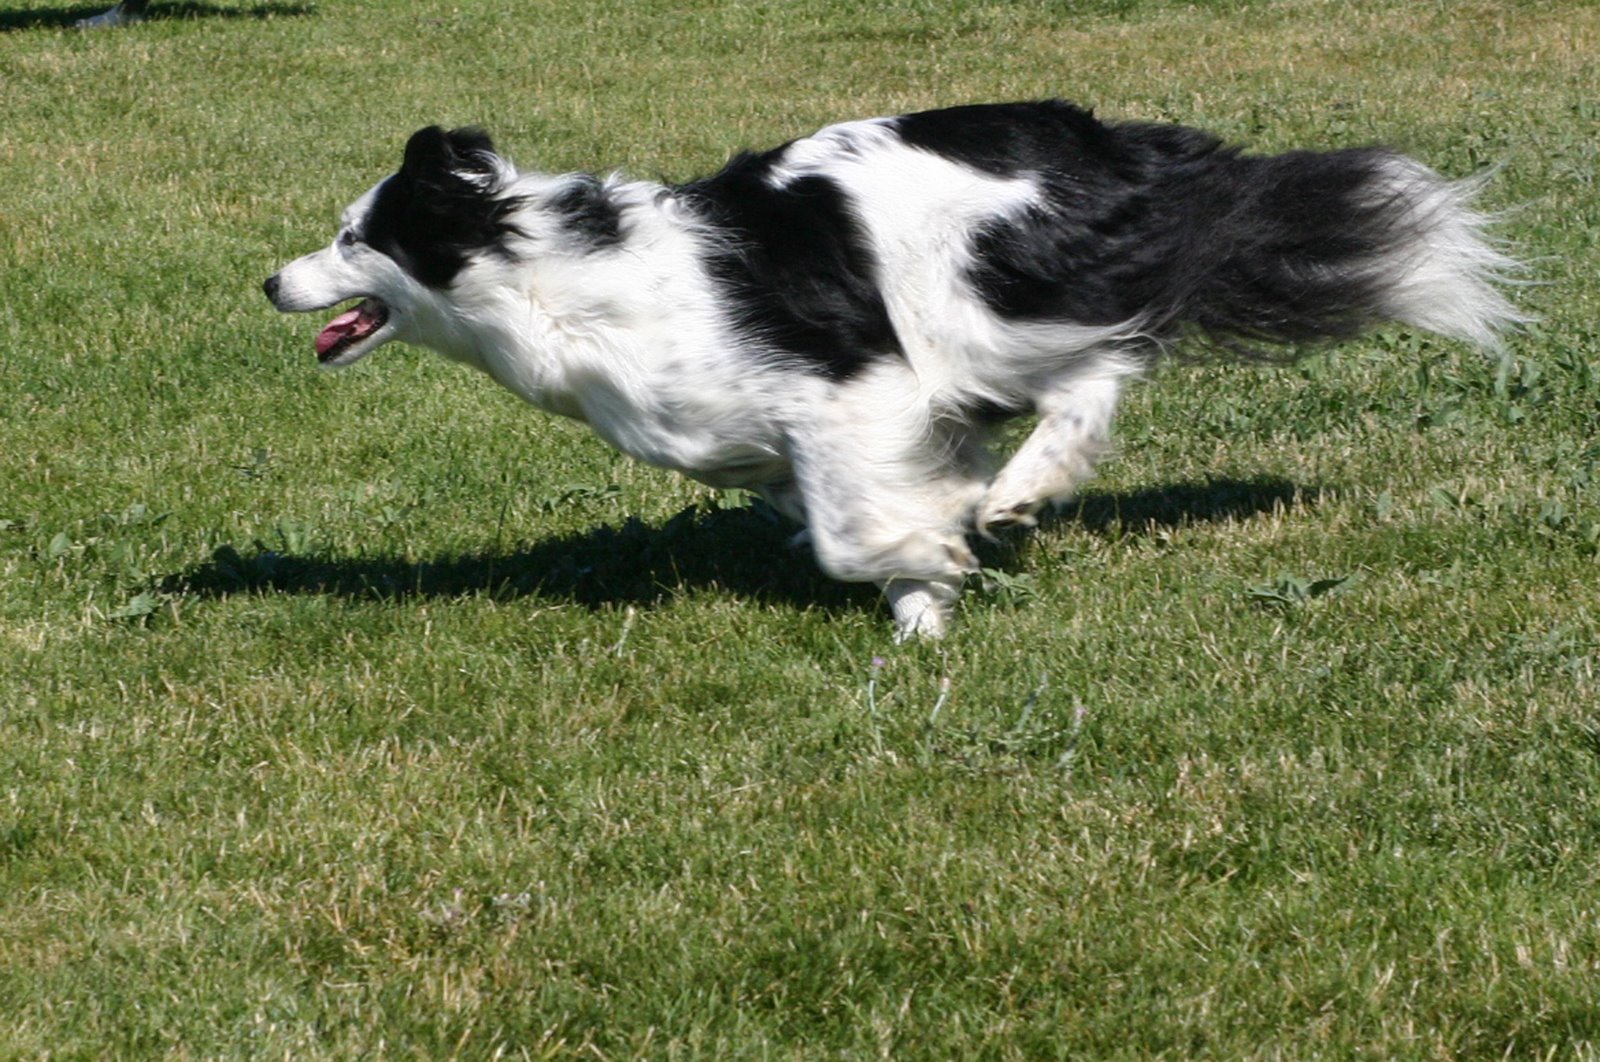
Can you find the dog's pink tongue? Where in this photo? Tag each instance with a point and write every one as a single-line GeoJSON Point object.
{"type": "Point", "coordinates": [345, 326]}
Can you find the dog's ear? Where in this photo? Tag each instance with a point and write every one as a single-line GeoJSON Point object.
{"type": "Point", "coordinates": [433, 154]}
{"type": "Point", "coordinates": [426, 152]}
{"type": "Point", "coordinates": [468, 141]}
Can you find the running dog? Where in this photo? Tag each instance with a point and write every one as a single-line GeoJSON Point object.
{"type": "Point", "coordinates": [840, 322]}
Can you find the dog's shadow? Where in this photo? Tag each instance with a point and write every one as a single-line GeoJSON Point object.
{"type": "Point", "coordinates": [745, 551]}
{"type": "Point", "coordinates": [65, 17]}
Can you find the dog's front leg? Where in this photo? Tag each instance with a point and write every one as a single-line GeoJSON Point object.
{"type": "Point", "coordinates": [921, 607]}
{"type": "Point", "coordinates": [889, 509]}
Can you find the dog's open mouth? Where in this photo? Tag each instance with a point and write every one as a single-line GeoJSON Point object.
{"type": "Point", "coordinates": [347, 330]}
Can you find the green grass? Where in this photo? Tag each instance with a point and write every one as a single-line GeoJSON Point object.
{"type": "Point", "coordinates": [371, 714]}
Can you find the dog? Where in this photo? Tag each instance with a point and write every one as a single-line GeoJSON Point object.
{"type": "Point", "coordinates": [839, 323]}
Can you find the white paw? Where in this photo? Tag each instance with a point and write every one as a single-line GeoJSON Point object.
{"type": "Point", "coordinates": [997, 511]}
{"type": "Point", "coordinates": [921, 610]}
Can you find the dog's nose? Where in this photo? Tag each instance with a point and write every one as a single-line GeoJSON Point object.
{"type": "Point", "coordinates": [270, 286]}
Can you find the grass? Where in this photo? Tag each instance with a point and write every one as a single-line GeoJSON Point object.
{"type": "Point", "coordinates": [370, 714]}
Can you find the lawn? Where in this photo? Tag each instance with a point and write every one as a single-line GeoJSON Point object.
{"type": "Point", "coordinates": [373, 714]}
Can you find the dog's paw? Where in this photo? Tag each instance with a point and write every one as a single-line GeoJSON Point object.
{"type": "Point", "coordinates": [921, 609]}
{"type": "Point", "coordinates": [929, 622]}
{"type": "Point", "coordinates": [999, 513]}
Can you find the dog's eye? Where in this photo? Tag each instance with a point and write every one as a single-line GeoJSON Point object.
{"type": "Point", "coordinates": [348, 238]}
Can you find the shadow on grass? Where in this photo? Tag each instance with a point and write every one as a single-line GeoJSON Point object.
{"type": "Point", "coordinates": [745, 551]}
{"type": "Point", "coordinates": [1213, 501]}
{"type": "Point", "coordinates": [59, 17]}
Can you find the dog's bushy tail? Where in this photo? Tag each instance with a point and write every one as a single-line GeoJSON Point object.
{"type": "Point", "coordinates": [1314, 246]}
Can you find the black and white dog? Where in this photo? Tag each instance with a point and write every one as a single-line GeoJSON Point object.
{"type": "Point", "coordinates": [837, 323]}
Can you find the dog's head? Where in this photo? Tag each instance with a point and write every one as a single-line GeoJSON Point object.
{"type": "Point", "coordinates": [401, 247]}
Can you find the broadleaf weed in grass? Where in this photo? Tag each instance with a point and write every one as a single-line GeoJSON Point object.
{"type": "Point", "coordinates": [137, 607]}
{"type": "Point", "coordinates": [1008, 588]}
{"type": "Point", "coordinates": [1290, 590]}
{"type": "Point", "coordinates": [579, 492]}
{"type": "Point", "coordinates": [291, 537]}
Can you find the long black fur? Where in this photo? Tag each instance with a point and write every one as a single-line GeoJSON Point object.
{"type": "Point", "coordinates": [795, 266]}
{"type": "Point", "coordinates": [1169, 225]}
{"type": "Point", "coordinates": [1163, 224]}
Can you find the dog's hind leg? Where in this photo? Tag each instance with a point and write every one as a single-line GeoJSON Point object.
{"type": "Point", "coordinates": [1074, 429]}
